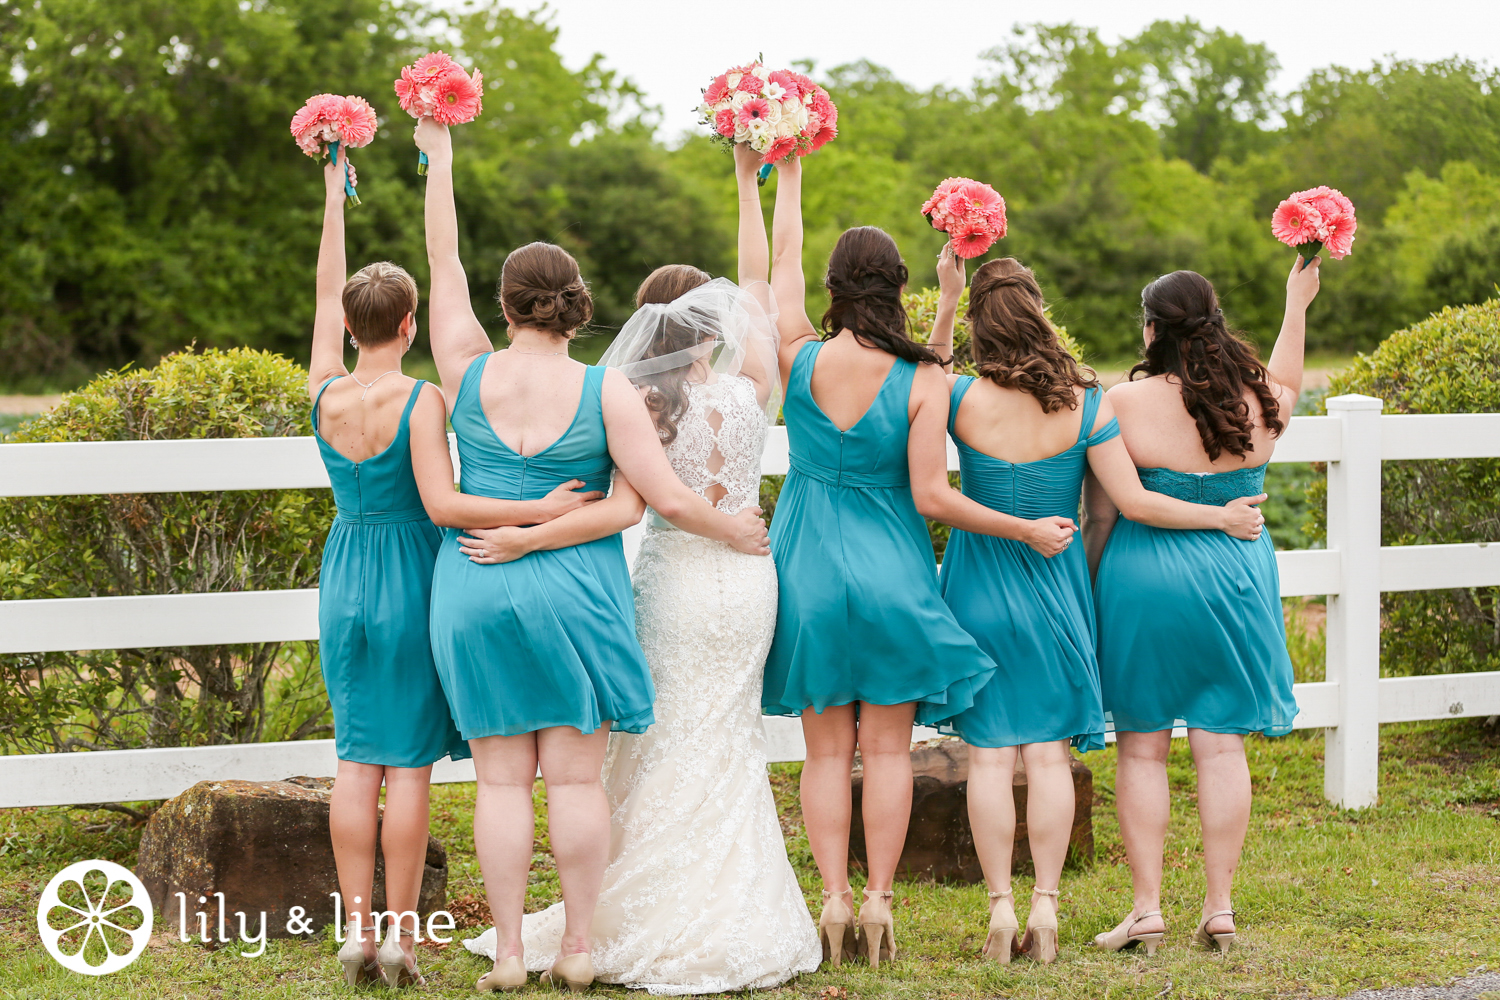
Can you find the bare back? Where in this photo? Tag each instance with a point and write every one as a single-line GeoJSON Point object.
{"type": "Point", "coordinates": [359, 428]}
{"type": "Point", "coordinates": [1010, 425]}
{"type": "Point", "coordinates": [1159, 432]}
{"type": "Point", "coordinates": [847, 377]}
{"type": "Point", "coordinates": [530, 400]}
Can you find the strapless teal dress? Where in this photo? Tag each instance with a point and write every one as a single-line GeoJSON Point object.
{"type": "Point", "coordinates": [373, 590]}
{"type": "Point", "coordinates": [1190, 626]}
{"type": "Point", "coordinates": [547, 640]}
{"type": "Point", "coordinates": [859, 618]}
{"type": "Point", "coordinates": [1034, 615]}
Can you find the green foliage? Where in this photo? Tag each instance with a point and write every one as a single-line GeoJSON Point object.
{"type": "Point", "coordinates": [165, 543]}
{"type": "Point", "coordinates": [921, 311]}
{"type": "Point", "coordinates": [1445, 364]}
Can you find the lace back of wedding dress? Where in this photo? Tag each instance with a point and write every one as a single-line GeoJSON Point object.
{"type": "Point", "coordinates": [719, 442]}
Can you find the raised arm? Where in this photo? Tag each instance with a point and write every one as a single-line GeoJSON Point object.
{"type": "Point", "coordinates": [927, 458]}
{"type": "Point", "coordinates": [951, 278]}
{"type": "Point", "coordinates": [1288, 354]}
{"type": "Point", "coordinates": [787, 282]}
{"type": "Point", "coordinates": [447, 507]}
{"type": "Point", "coordinates": [754, 266]}
{"type": "Point", "coordinates": [457, 337]}
{"type": "Point", "coordinates": [328, 320]}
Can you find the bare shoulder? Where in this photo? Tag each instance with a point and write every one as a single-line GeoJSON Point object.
{"type": "Point", "coordinates": [931, 377]}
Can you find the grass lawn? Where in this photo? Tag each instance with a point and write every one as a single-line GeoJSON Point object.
{"type": "Point", "coordinates": [1329, 901]}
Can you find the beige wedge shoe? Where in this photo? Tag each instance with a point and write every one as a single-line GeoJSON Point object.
{"type": "Point", "coordinates": [1000, 943]}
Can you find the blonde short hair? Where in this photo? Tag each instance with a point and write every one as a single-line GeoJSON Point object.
{"type": "Point", "coordinates": [376, 300]}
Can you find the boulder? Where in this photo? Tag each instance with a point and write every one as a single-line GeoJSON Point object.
{"type": "Point", "coordinates": [939, 844]}
{"type": "Point", "coordinates": [265, 846]}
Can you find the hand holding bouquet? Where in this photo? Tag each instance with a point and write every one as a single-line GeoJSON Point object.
{"type": "Point", "coordinates": [971, 213]}
{"type": "Point", "coordinates": [326, 121]}
{"type": "Point", "coordinates": [777, 113]}
{"type": "Point", "coordinates": [437, 87]}
{"type": "Point", "coordinates": [1312, 219]}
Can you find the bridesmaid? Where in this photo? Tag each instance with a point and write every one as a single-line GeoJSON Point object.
{"type": "Point", "coordinates": [538, 657]}
{"type": "Point", "coordinates": [862, 634]}
{"type": "Point", "coordinates": [1027, 429]}
{"type": "Point", "coordinates": [1190, 625]}
{"type": "Point", "coordinates": [373, 426]}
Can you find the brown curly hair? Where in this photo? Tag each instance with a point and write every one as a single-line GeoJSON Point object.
{"type": "Point", "coordinates": [1012, 342]}
{"type": "Point", "coordinates": [540, 287]}
{"type": "Point", "coordinates": [864, 281]}
{"type": "Point", "coordinates": [666, 392]}
{"type": "Point", "coordinates": [1192, 343]}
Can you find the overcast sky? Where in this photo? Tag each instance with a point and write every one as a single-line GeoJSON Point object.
{"type": "Point", "coordinates": [672, 47]}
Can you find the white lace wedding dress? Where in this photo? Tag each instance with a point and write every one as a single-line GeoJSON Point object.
{"type": "Point", "coordinates": [699, 896]}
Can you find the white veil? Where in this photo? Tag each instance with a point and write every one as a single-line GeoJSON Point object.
{"type": "Point", "coordinates": [733, 329]}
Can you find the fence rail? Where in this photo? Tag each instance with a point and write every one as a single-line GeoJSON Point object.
{"type": "Point", "coordinates": [1350, 705]}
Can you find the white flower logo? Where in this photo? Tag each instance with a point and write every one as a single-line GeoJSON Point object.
{"type": "Point", "coordinates": [77, 926]}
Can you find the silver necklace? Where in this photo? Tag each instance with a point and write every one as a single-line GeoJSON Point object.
{"type": "Point", "coordinates": [393, 371]}
{"type": "Point", "coordinates": [537, 354]}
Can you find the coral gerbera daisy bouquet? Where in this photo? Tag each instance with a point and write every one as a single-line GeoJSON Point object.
{"type": "Point", "coordinates": [328, 121]}
{"type": "Point", "coordinates": [970, 212]}
{"type": "Point", "coordinates": [437, 87]}
{"type": "Point", "coordinates": [777, 113]}
{"type": "Point", "coordinates": [1313, 219]}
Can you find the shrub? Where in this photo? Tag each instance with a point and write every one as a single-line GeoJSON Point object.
{"type": "Point", "coordinates": [921, 310]}
{"type": "Point", "coordinates": [1448, 363]}
{"type": "Point", "coordinates": [165, 543]}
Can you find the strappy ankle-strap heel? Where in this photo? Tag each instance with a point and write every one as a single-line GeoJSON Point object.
{"type": "Point", "coordinates": [877, 934]}
{"type": "Point", "coordinates": [505, 977]}
{"type": "Point", "coordinates": [1121, 938]}
{"type": "Point", "coordinates": [1040, 942]}
{"type": "Point", "coordinates": [1000, 943]}
{"type": "Point", "coordinates": [1211, 941]}
{"type": "Point", "coordinates": [836, 926]}
{"type": "Point", "coordinates": [393, 961]}
{"type": "Point", "coordinates": [358, 971]}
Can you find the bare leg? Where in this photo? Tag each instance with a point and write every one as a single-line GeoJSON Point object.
{"type": "Point", "coordinates": [1224, 812]}
{"type": "Point", "coordinates": [503, 829]}
{"type": "Point", "coordinates": [403, 841]}
{"type": "Point", "coordinates": [577, 823]}
{"type": "Point", "coordinates": [992, 817]}
{"type": "Point", "coordinates": [885, 749]}
{"type": "Point", "coordinates": [1049, 819]}
{"type": "Point", "coordinates": [1143, 805]}
{"type": "Point", "coordinates": [352, 811]}
{"type": "Point", "coordinates": [826, 791]}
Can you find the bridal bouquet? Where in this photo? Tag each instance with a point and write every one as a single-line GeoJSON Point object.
{"type": "Point", "coordinates": [437, 87]}
{"type": "Point", "coordinates": [777, 113]}
{"type": "Point", "coordinates": [1312, 219]}
{"type": "Point", "coordinates": [328, 120]}
{"type": "Point", "coordinates": [971, 213]}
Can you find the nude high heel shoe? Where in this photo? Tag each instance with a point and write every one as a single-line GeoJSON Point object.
{"type": "Point", "coordinates": [1040, 942]}
{"type": "Point", "coordinates": [574, 972]}
{"type": "Point", "coordinates": [393, 961]}
{"type": "Point", "coordinates": [877, 932]}
{"type": "Point", "coordinates": [357, 971]}
{"type": "Point", "coordinates": [836, 926]}
{"type": "Point", "coordinates": [504, 977]}
{"type": "Point", "coordinates": [1210, 941]}
{"type": "Point", "coordinates": [1120, 939]}
{"type": "Point", "coordinates": [1000, 944]}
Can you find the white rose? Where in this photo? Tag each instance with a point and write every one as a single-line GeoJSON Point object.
{"type": "Point", "coordinates": [773, 113]}
{"type": "Point", "coordinates": [738, 100]}
{"type": "Point", "coordinates": [786, 128]}
{"type": "Point", "coordinates": [790, 105]}
{"type": "Point", "coordinates": [761, 71]}
{"type": "Point", "coordinates": [733, 80]}
{"type": "Point", "coordinates": [741, 133]}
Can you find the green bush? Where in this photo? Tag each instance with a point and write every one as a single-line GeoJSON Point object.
{"type": "Point", "coordinates": [1448, 363]}
{"type": "Point", "coordinates": [165, 543]}
{"type": "Point", "coordinates": [921, 310]}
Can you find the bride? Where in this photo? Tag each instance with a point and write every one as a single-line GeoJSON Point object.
{"type": "Point", "coordinates": [699, 896]}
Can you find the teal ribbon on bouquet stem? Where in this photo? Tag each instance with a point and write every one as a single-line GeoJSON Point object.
{"type": "Point", "coordinates": [421, 164]}
{"type": "Point", "coordinates": [351, 198]}
{"type": "Point", "coordinates": [762, 174]}
{"type": "Point", "coordinates": [1309, 251]}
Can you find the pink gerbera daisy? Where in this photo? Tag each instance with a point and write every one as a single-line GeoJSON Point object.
{"type": "Point", "coordinates": [754, 110]}
{"type": "Point", "coordinates": [970, 237]}
{"type": "Point", "coordinates": [356, 121]}
{"type": "Point", "coordinates": [458, 98]}
{"type": "Point", "coordinates": [788, 81]}
{"type": "Point", "coordinates": [717, 90]}
{"type": "Point", "coordinates": [431, 66]}
{"type": "Point", "coordinates": [779, 148]}
{"type": "Point", "coordinates": [1295, 223]}
{"type": "Point", "coordinates": [1338, 235]}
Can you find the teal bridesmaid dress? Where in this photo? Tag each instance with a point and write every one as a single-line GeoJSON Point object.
{"type": "Point", "coordinates": [1034, 615]}
{"type": "Point", "coordinates": [859, 618]}
{"type": "Point", "coordinates": [1190, 626]}
{"type": "Point", "coordinates": [373, 591]}
{"type": "Point", "coordinates": [549, 639]}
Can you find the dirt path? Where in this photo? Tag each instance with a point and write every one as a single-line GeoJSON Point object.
{"type": "Point", "coordinates": [1480, 986]}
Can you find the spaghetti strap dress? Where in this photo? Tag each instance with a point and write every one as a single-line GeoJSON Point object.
{"type": "Point", "coordinates": [1034, 615]}
{"type": "Point", "coordinates": [859, 618]}
{"type": "Point", "coordinates": [1190, 625]}
{"type": "Point", "coordinates": [373, 593]}
{"type": "Point", "coordinates": [549, 639]}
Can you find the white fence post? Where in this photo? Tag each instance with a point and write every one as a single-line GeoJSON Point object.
{"type": "Point", "coordinates": [1351, 767]}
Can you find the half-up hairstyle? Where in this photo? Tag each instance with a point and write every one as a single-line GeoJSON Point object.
{"type": "Point", "coordinates": [864, 282]}
{"type": "Point", "coordinates": [540, 287]}
{"type": "Point", "coordinates": [1191, 342]}
{"type": "Point", "coordinates": [666, 392]}
{"type": "Point", "coordinates": [1012, 342]}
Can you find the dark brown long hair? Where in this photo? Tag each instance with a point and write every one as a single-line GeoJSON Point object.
{"type": "Point", "coordinates": [1012, 342]}
{"type": "Point", "coordinates": [1191, 342]}
{"type": "Point", "coordinates": [864, 282]}
{"type": "Point", "coordinates": [666, 392]}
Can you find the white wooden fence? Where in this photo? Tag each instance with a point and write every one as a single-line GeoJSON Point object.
{"type": "Point", "coordinates": [1349, 705]}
